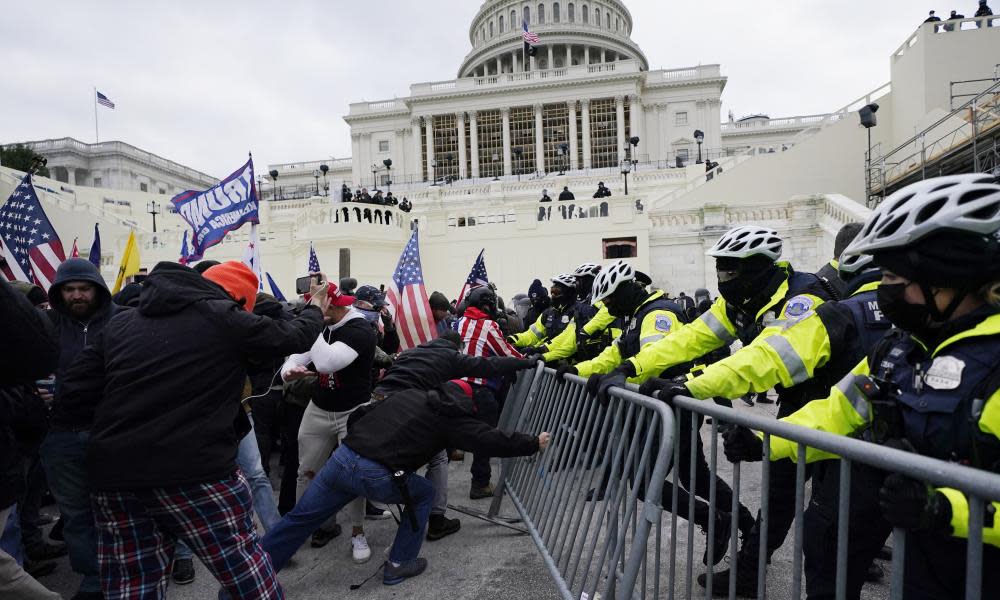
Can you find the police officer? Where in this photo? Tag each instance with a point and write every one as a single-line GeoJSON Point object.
{"type": "Point", "coordinates": [590, 333]}
{"type": "Point", "coordinates": [553, 319]}
{"type": "Point", "coordinates": [932, 385]}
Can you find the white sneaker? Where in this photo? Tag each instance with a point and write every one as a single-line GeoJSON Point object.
{"type": "Point", "coordinates": [360, 549]}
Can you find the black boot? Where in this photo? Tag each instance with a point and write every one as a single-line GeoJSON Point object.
{"type": "Point", "coordinates": [720, 539]}
{"type": "Point", "coordinates": [746, 572]}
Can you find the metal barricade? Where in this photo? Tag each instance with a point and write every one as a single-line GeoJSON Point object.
{"type": "Point", "coordinates": [582, 500]}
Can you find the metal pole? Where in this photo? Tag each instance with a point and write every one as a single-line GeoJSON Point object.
{"type": "Point", "coordinates": [975, 134]}
{"type": "Point", "coordinates": [97, 137]}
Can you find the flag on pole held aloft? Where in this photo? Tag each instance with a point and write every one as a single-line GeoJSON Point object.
{"type": "Point", "coordinates": [407, 294]}
{"type": "Point", "coordinates": [75, 252]}
{"type": "Point", "coordinates": [185, 253]}
{"type": "Point", "coordinates": [28, 241]}
{"type": "Point", "coordinates": [477, 277]}
{"type": "Point", "coordinates": [105, 101]}
{"type": "Point", "coordinates": [251, 256]}
{"type": "Point", "coordinates": [274, 288]}
{"type": "Point", "coordinates": [95, 249]}
{"type": "Point", "coordinates": [313, 261]}
{"type": "Point", "coordinates": [530, 40]}
{"type": "Point", "coordinates": [214, 212]}
{"type": "Point", "coordinates": [130, 263]}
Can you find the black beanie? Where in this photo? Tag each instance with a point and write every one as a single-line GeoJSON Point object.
{"type": "Point", "coordinates": [439, 301]}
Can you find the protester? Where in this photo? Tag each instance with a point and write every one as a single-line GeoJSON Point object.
{"type": "Point", "coordinates": [830, 272]}
{"type": "Point", "coordinates": [545, 196]}
{"type": "Point", "coordinates": [405, 205]}
{"type": "Point", "coordinates": [341, 357]}
{"type": "Point", "coordinates": [565, 194]}
{"type": "Point", "coordinates": [157, 480]}
{"type": "Point", "coordinates": [540, 301]}
{"type": "Point", "coordinates": [602, 191]}
{"type": "Point", "coordinates": [81, 308]}
{"type": "Point", "coordinates": [983, 10]}
{"type": "Point", "coordinates": [441, 309]}
{"type": "Point", "coordinates": [932, 18]}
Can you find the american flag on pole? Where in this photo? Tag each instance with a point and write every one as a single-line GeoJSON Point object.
{"type": "Point", "coordinates": [27, 239]}
{"type": "Point", "coordinates": [313, 261]}
{"type": "Point", "coordinates": [414, 320]}
{"type": "Point", "coordinates": [477, 277]}
{"type": "Point", "coordinates": [105, 101]}
{"type": "Point", "coordinates": [529, 37]}
{"type": "Point", "coordinates": [251, 256]}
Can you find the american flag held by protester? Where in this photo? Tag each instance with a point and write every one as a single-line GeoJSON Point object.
{"type": "Point", "coordinates": [477, 276]}
{"type": "Point", "coordinates": [30, 245]}
{"type": "Point", "coordinates": [408, 296]}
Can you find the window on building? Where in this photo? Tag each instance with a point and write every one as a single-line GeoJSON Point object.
{"type": "Point", "coordinates": [446, 146]}
{"type": "Point", "coordinates": [684, 154]}
{"type": "Point", "coordinates": [572, 13]}
{"type": "Point", "coordinates": [681, 118]}
{"type": "Point", "coordinates": [618, 23]}
{"type": "Point", "coordinates": [513, 20]}
{"type": "Point", "coordinates": [527, 14]}
{"type": "Point", "coordinates": [541, 13]}
{"type": "Point", "coordinates": [143, 187]}
{"type": "Point", "coordinates": [555, 123]}
{"type": "Point", "coordinates": [597, 17]}
{"type": "Point", "coordinates": [555, 12]}
{"type": "Point", "coordinates": [625, 247]}
{"type": "Point", "coordinates": [490, 125]}
{"type": "Point", "coordinates": [491, 28]}
{"type": "Point", "coordinates": [98, 181]}
{"type": "Point", "coordinates": [163, 191]}
{"type": "Point", "coordinates": [500, 23]}
{"type": "Point", "coordinates": [586, 14]}
{"type": "Point", "coordinates": [522, 135]}
{"type": "Point", "coordinates": [607, 20]}
{"type": "Point", "coordinates": [482, 33]}
{"type": "Point", "coordinates": [383, 145]}
{"type": "Point", "coordinates": [603, 133]}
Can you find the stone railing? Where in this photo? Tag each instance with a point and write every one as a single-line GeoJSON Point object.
{"type": "Point", "coordinates": [699, 72]}
{"type": "Point", "coordinates": [128, 150]}
{"type": "Point", "coordinates": [784, 123]}
{"type": "Point", "coordinates": [469, 84]}
{"type": "Point", "coordinates": [943, 27]}
{"type": "Point", "coordinates": [367, 220]}
{"type": "Point", "coordinates": [310, 166]}
{"type": "Point", "coordinates": [377, 106]}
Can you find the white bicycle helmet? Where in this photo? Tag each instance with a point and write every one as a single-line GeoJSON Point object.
{"type": "Point", "coordinates": [611, 278]}
{"type": "Point", "coordinates": [591, 269]}
{"type": "Point", "coordinates": [565, 279]}
{"type": "Point", "coordinates": [851, 264]}
{"type": "Point", "coordinates": [960, 203]}
{"type": "Point", "coordinates": [746, 241]}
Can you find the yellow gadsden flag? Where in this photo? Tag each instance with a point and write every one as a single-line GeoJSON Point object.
{"type": "Point", "coordinates": [130, 263]}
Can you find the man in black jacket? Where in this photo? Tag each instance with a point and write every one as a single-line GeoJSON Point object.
{"type": "Point", "coordinates": [386, 443]}
{"type": "Point", "coordinates": [81, 307]}
{"type": "Point", "coordinates": [162, 385]}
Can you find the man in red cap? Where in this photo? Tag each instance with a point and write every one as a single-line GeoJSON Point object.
{"type": "Point", "coordinates": [342, 358]}
{"type": "Point", "coordinates": [160, 388]}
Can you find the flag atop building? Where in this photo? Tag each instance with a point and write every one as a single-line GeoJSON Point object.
{"type": "Point", "coordinates": [407, 294]}
{"type": "Point", "coordinates": [28, 241]}
{"type": "Point", "coordinates": [477, 277]}
{"type": "Point", "coordinates": [251, 257]}
{"type": "Point", "coordinates": [274, 288]}
{"type": "Point", "coordinates": [530, 41]}
{"type": "Point", "coordinates": [95, 249]}
{"type": "Point", "coordinates": [130, 263]}
{"type": "Point", "coordinates": [105, 101]}
{"type": "Point", "coordinates": [313, 261]}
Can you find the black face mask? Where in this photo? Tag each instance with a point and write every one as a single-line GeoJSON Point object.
{"type": "Point", "coordinates": [745, 286]}
{"type": "Point", "coordinates": [909, 317]}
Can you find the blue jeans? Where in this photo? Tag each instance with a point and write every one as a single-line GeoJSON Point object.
{"type": "Point", "coordinates": [248, 459]}
{"type": "Point", "coordinates": [64, 457]}
{"type": "Point", "coordinates": [346, 476]}
{"type": "Point", "coordinates": [10, 540]}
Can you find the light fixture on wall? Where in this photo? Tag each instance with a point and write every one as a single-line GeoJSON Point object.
{"type": "Point", "coordinates": [699, 136]}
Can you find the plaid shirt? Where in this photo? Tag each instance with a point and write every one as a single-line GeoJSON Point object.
{"type": "Point", "coordinates": [482, 337]}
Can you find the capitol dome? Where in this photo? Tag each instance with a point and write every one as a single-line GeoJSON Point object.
{"type": "Point", "coordinates": [572, 33]}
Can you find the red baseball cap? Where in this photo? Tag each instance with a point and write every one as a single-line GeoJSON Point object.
{"type": "Point", "coordinates": [337, 298]}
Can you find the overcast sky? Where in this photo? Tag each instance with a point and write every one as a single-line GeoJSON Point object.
{"type": "Point", "coordinates": [203, 82]}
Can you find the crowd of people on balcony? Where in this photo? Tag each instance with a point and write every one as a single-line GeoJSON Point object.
{"type": "Point", "coordinates": [983, 11]}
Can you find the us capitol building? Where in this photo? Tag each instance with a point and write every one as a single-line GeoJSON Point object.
{"type": "Point", "coordinates": [473, 154]}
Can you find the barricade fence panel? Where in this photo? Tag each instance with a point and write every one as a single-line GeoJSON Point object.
{"type": "Point", "coordinates": [593, 501]}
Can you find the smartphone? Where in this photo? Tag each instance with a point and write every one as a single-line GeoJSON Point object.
{"type": "Point", "coordinates": [303, 284]}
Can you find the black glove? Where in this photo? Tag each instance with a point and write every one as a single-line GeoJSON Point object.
{"type": "Point", "coordinates": [912, 504]}
{"type": "Point", "coordinates": [510, 340]}
{"type": "Point", "coordinates": [599, 385]}
{"type": "Point", "coordinates": [741, 445]}
{"type": "Point", "coordinates": [582, 338]}
{"type": "Point", "coordinates": [532, 350]}
{"type": "Point", "coordinates": [561, 373]}
{"type": "Point", "coordinates": [509, 364]}
{"type": "Point", "coordinates": [664, 390]}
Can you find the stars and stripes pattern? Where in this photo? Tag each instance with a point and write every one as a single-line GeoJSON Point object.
{"type": "Point", "coordinates": [105, 101]}
{"type": "Point", "coordinates": [408, 296]}
{"type": "Point", "coordinates": [251, 256]}
{"type": "Point", "coordinates": [313, 261]}
{"type": "Point", "coordinates": [27, 239]}
{"type": "Point", "coordinates": [274, 288]}
{"type": "Point", "coordinates": [477, 277]}
{"type": "Point", "coordinates": [483, 338]}
{"type": "Point", "coordinates": [529, 37]}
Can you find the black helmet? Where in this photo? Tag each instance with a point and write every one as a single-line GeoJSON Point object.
{"type": "Point", "coordinates": [482, 298]}
{"type": "Point", "coordinates": [370, 295]}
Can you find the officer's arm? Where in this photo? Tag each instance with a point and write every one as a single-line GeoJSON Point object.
{"type": "Point", "coordinates": [563, 345]}
{"type": "Point", "coordinates": [789, 356]}
{"type": "Point", "coordinates": [657, 325]}
{"type": "Point", "coordinates": [600, 321]}
{"type": "Point", "coordinates": [605, 362]}
{"type": "Point", "coordinates": [533, 336]}
{"type": "Point", "coordinates": [710, 331]}
{"type": "Point", "coordinates": [989, 423]}
{"type": "Point", "coordinates": [843, 412]}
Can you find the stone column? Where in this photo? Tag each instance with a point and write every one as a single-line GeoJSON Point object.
{"type": "Point", "coordinates": [586, 55]}
{"type": "Point", "coordinates": [356, 156]}
{"type": "Point", "coordinates": [539, 140]}
{"type": "Point", "coordinates": [499, 66]}
{"type": "Point", "coordinates": [634, 111]}
{"type": "Point", "coordinates": [569, 55]}
{"type": "Point", "coordinates": [514, 62]}
{"type": "Point", "coordinates": [460, 123]}
{"type": "Point", "coordinates": [429, 124]}
{"type": "Point", "coordinates": [585, 117]}
{"type": "Point", "coordinates": [603, 56]}
{"type": "Point", "coordinates": [474, 142]}
{"type": "Point", "coordinates": [551, 64]}
{"type": "Point", "coordinates": [397, 154]}
{"type": "Point", "coordinates": [505, 113]}
{"type": "Point", "coordinates": [573, 164]}
{"type": "Point", "coordinates": [620, 123]}
{"type": "Point", "coordinates": [417, 169]}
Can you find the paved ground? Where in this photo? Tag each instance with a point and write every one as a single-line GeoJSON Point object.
{"type": "Point", "coordinates": [481, 562]}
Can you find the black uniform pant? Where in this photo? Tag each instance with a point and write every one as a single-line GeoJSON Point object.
{"type": "Point", "coordinates": [290, 422]}
{"type": "Point", "coordinates": [265, 425]}
{"type": "Point", "coordinates": [935, 567]}
{"type": "Point", "coordinates": [867, 529]}
{"type": "Point", "coordinates": [489, 411]}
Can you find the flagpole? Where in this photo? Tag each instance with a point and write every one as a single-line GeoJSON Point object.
{"type": "Point", "coordinates": [97, 137]}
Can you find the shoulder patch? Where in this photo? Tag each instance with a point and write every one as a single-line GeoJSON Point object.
{"type": "Point", "coordinates": [663, 323]}
{"type": "Point", "coordinates": [799, 307]}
